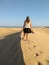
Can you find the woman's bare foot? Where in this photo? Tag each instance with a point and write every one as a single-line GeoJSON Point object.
{"type": "Point", "coordinates": [27, 40]}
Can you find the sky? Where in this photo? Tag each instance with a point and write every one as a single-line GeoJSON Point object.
{"type": "Point", "coordinates": [14, 12]}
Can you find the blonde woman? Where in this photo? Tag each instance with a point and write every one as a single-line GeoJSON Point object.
{"type": "Point", "coordinates": [27, 27]}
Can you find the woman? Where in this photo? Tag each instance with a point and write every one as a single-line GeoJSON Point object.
{"type": "Point", "coordinates": [27, 27]}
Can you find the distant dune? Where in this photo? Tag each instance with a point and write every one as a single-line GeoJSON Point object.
{"type": "Point", "coordinates": [16, 51]}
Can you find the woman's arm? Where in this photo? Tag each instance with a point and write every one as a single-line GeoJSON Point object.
{"type": "Point", "coordinates": [30, 25]}
{"type": "Point", "coordinates": [24, 25]}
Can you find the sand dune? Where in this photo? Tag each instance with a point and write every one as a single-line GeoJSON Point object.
{"type": "Point", "coordinates": [16, 51]}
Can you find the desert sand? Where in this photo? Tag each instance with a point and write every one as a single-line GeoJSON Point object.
{"type": "Point", "coordinates": [16, 51]}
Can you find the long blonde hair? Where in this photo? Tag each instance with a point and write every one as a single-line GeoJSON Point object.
{"type": "Point", "coordinates": [27, 19]}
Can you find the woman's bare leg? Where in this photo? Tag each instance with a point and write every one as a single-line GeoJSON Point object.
{"type": "Point", "coordinates": [23, 35]}
{"type": "Point", "coordinates": [26, 36]}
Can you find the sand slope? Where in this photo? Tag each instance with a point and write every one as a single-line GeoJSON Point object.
{"type": "Point", "coordinates": [16, 51]}
{"type": "Point", "coordinates": [36, 51]}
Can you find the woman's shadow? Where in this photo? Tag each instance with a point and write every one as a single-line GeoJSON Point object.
{"type": "Point", "coordinates": [10, 50]}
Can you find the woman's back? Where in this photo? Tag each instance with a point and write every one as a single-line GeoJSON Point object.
{"type": "Point", "coordinates": [27, 25]}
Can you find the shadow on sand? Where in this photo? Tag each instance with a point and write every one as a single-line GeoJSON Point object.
{"type": "Point", "coordinates": [10, 50]}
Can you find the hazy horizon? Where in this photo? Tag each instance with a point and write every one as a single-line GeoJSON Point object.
{"type": "Point", "coordinates": [21, 26]}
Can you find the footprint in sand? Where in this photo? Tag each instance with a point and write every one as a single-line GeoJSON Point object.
{"type": "Point", "coordinates": [40, 52]}
{"type": "Point", "coordinates": [47, 61]}
{"type": "Point", "coordinates": [34, 46]}
{"type": "Point", "coordinates": [36, 54]}
{"type": "Point", "coordinates": [30, 49]}
{"type": "Point", "coordinates": [39, 63]}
